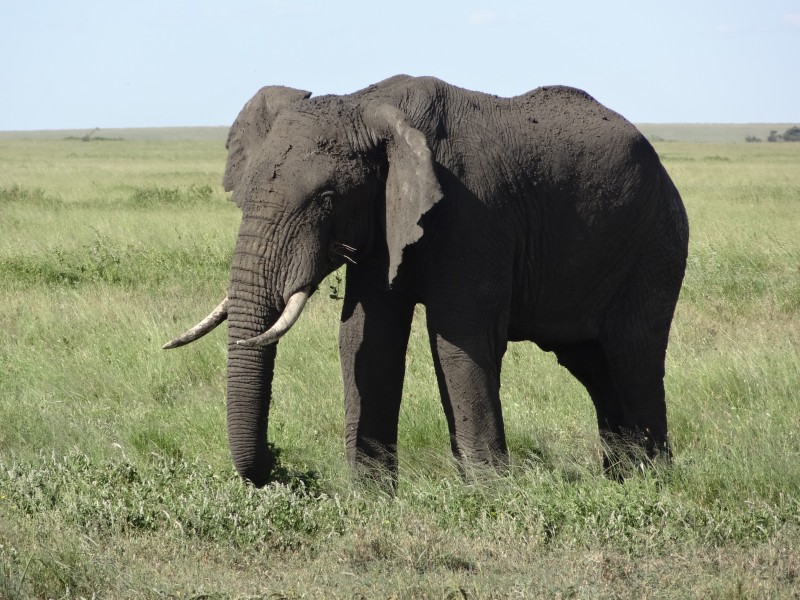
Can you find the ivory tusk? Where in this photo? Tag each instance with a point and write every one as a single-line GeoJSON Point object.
{"type": "Point", "coordinates": [217, 316]}
{"type": "Point", "coordinates": [284, 323]}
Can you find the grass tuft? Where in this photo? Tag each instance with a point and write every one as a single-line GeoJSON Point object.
{"type": "Point", "coordinates": [28, 196]}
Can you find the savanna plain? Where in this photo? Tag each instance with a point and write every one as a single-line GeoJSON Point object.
{"type": "Point", "coordinates": [115, 479]}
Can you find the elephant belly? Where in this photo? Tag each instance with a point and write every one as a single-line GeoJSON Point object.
{"type": "Point", "coordinates": [545, 332]}
{"type": "Point", "coordinates": [564, 308]}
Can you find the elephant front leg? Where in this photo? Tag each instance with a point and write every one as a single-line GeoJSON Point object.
{"type": "Point", "coordinates": [373, 338]}
{"type": "Point", "coordinates": [467, 359]}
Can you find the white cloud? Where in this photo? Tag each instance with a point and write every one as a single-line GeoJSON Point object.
{"type": "Point", "coordinates": [793, 19]}
{"type": "Point", "coordinates": [482, 17]}
{"type": "Point", "coordinates": [726, 29]}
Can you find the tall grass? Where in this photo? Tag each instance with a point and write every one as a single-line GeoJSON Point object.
{"type": "Point", "coordinates": [115, 480]}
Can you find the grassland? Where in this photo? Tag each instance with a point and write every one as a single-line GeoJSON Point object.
{"type": "Point", "coordinates": [115, 480]}
{"type": "Point", "coordinates": [672, 132]}
{"type": "Point", "coordinates": [710, 132]}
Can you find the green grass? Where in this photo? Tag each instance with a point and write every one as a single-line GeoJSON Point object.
{"type": "Point", "coordinates": [115, 479]}
{"type": "Point", "coordinates": [217, 135]}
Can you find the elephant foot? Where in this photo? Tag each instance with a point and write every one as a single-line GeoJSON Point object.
{"type": "Point", "coordinates": [374, 468]}
{"type": "Point", "coordinates": [478, 468]}
{"type": "Point", "coordinates": [625, 456]}
{"type": "Point", "coordinates": [375, 480]}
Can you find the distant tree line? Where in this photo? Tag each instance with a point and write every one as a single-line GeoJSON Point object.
{"type": "Point", "coordinates": [91, 137]}
{"type": "Point", "coordinates": [790, 135]}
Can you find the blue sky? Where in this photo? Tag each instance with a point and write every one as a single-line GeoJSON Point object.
{"type": "Point", "coordinates": [151, 63]}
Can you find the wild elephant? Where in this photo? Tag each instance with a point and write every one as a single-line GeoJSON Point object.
{"type": "Point", "coordinates": [544, 217]}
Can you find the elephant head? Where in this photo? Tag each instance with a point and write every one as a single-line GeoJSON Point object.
{"type": "Point", "coordinates": [320, 182]}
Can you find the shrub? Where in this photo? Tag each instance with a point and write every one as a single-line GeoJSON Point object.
{"type": "Point", "coordinates": [792, 134]}
{"type": "Point", "coordinates": [774, 136]}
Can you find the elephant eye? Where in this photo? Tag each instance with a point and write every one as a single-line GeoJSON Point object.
{"type": "Point", "coordinates": [327, 197]}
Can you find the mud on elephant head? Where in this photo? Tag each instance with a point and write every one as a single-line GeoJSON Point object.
{"type": "Point", "coordinates": [544, 217]}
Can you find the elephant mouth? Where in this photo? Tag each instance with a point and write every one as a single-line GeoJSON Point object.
{"type": "Point", "coordinates": [291, 312]}
{"type": "Point", "coordinates": [294, 305]}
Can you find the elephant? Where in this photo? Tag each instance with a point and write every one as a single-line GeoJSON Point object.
{"type": "Point", "coordinates": [542, 217]}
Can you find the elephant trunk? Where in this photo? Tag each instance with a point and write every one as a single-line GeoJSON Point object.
{"type": "Point", "coordinates": [253, 305]}
{"type": "Point", "coordinates": [251, 363]}
{"type": "Point", "coordinates": [250, 372]}
{"type": "Point", "coordinates": [270, 283]}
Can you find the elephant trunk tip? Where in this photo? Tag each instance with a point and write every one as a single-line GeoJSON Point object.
{"type": "Point", "coordinates": [258, 475]}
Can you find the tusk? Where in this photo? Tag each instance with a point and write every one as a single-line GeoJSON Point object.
{"type": "Point", "coordinates": [217, 316]}
{"type": "Point", "coordinates": [284, 323]}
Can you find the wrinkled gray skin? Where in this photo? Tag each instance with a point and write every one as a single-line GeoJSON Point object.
{"type": "Point", "coordinates": [543, 217]}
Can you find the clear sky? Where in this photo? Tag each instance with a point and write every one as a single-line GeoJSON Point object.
{"type": "Point", "coordinates": [152, 63]}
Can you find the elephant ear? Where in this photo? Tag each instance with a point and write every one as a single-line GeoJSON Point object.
{"type": "Point", "coordinates": [250, 129]}
{"type": "Point", "coordinates": [411, 184]}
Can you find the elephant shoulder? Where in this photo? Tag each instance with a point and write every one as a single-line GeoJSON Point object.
{"type": "Point", "coordinates": [386, 84]}
{"type": "Point", "coordinates": [421, 99]}
{"type": "Point", "coordinates": [401, 89]}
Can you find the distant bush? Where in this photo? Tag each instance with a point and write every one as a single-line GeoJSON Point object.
{"type": "Point", "coordinates": [752, 138]}
{"type": "Point", "coordinates": [75, 138]}
{"type": "Point", "coordinates": [792, 134]}
{"type": "Point", "coordinates": [774, 136]}
{"type": "Point", "coordinates": [91, 137]}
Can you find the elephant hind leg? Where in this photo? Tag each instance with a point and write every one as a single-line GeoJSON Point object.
{"type": "Point", "coordinates": [625, 382]}
{"type": "Point", "coordinates": [636, 371]}
{"type": "Point", "coordinates": [634, 338]}
{"type": "Point", "coordinates": [586, 361]}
